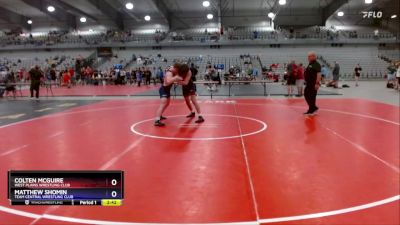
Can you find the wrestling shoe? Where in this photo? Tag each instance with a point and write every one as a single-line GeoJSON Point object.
{"type": "Point", "coordinates": [191, 115]}
{"type": "Point", "coordinates": [158, 123]}
{"type": "Point", "coordinates": [199, 120]}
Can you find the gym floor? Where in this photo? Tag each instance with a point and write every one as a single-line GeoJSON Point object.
{"type": "Point", "coordinates": [254, 160]}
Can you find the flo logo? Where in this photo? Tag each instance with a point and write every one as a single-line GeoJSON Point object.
{"type": "Point", "coordinates": [372, 14]}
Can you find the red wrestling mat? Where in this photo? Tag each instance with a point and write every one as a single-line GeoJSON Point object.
{"type": "Point", "coordinates": [252, 162]}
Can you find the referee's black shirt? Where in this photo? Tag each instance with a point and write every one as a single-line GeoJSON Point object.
{"type": "Point", "coordinates": [311, 72]}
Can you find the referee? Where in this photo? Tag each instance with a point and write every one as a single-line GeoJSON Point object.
{"type": "Point", "coordinates": [312, 76]}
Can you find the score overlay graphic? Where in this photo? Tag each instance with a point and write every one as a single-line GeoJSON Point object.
{"type": "Point", "coordinates": [90, 188]}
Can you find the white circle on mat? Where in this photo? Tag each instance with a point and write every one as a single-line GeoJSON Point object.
{"type": "Point", "coordinates": [263, 128]}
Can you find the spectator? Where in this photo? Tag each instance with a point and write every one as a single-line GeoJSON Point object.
{"type": "Point", "coordinates": [324, 74]}
{"type": "Point", "coordinates": [59, 77]}
{"type": "Point", "coordinates": [35, 76]}
{"type": "Point", "coordinates": [4, 73]}
{"type": "Point", "coordinates": [86, 74]}
{"type": "Point", "coordinates": [78, 69]}
{"type": "Point", "coordinates": [66, 78]}
{"type": "Point", "coordinates": [133, 76]}
{"type": "Point", "coordinates": [154, 75]}
{"type": "Point", "coordinates": [52, 74]}
{"type": "Point", "coordinates": [147, 75]}
{"type": "Point", "coordinates": [376, 34]}
{"type": "Point", "coordinates": [21, 74]}
{"type": "Point", "coordinates": [398, 76]}
{"type": "Point", "coordinates": [139, 76]}
{"type": "Point", "coordinates": [10, 84]}
{"type": "Point", "coordinates": [122, 74]}
{"type": "Point", "coordinates": [3, 76]}
{"type": "Point", "coordinates": [82, 75]}
{"type": "Point", "coordinates": [160, 75]}
{"type": "Point", "coordinates": [291, 30]}
{"type": "Point", "coordinates": [357, 73]}
{"type": "Point", "coordinates": [128, 77]}
{"type": "Point", "coordinates": [335, 76]}
{"type": "Point", "coordinates": [72, 72]}
{"type": "Point", "coordinates": [391, 75]}
{"type": "Point", "coordinates": [255, 73]}
{"type": "Point", "coordinates": [291, 77]}
{"type": "Point", "coordinates": [300, 80]}
{"type": "Point", "coordinates": [255, 34]}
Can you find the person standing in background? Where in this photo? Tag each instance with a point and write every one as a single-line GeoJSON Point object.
{"type": "Point", "coordinates": [160, 74]}
{"type": "Point", "coordinates": [147, 76]}
{"type": "Point", "coordinates": [357, 73]}
{"type": "Point", "coordinates": [291, 77]}
{"type": "Point", "coordinates": [10, 84]}
{"type": "Point", "coordinates": [154, 75]}
{"type": "Point", "coordinates": [35, 76]}
{"type": "Point", "coordinates": [139, 76]}
{"type": "Point", "coordinates": [53, 74]}
{"type": "Point", "coordinates": [78, 69]}
{"type": "Point", "coordinates": [123, 77]}
{"type": "Point", "coordinates": [391, 75]}
{"type": "Point", "coordinates": [324, 74]}
{"type": "Point", "coordinates": [133, 76]}
{"type": "Point", "coordinates": [66, 77]}
{"type": "Point", "coordinates": [72, 73]}
{"type": "Point", "coordinates": [255, 73]}
{"type": "Point", "coordinates": [21, 74]}
{"type": "Point", "coordinates": [300, 80]}
{"type": "Point", "coordinates": [398, 76]}
{"type": "Point", "coordinates": [312, 76]}
{"type": "Point", "coordinates": [335, 76]}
